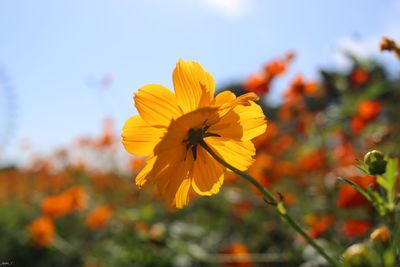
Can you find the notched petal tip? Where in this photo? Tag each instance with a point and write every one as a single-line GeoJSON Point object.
{"type": "Point", "coordinates": [194, 87]}
{"type": "Point", "coordinates": [156, 104]}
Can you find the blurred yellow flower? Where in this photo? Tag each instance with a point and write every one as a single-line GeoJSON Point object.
{"type": "Point", "coordinates": [170, 129]}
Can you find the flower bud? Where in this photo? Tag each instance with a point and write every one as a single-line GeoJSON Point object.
{"type": "Point", "coordinates": [380, 235]}
{"type": "Point", "coordinates": [357, 255]}
{"type": "Point", "coordinates": [376, 162]}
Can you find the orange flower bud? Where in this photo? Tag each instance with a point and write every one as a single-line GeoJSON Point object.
{"type": "Point", "coordinates": [380, 235]}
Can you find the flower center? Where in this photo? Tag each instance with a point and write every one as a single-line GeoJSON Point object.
{"type": "Point", "coordinates": [195, 137]}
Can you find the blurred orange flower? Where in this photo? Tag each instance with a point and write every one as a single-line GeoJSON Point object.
{"type": "Point", "coordinates": [137, 164]}
{"type": "Point", "coordinates": [42, 231]}
{"type": "Point", "coordinates": [387, 44]}
{"type": "Point", "coordinates": [70, 200]}
{"type": "Point", "coordinates": [78, 198]}
{"type": "Point", "coordinates": [390, 45]}
{"type": "Point", "coordinates": [107, 137]}
{"type": "Point", "coordinates": [290, 199]}
{"type": "Point", "coordinates": [56, 206]}
{"type": "Point", "coordinates": [299, 88]}
{"type": "Point", "coordinates": [369, 110]}
{"type": "Point", "coordinates": [345, 153]}
{"type": "Point", "coordinates": [357, 124]}
{"type": "Point", "coordinates": [260, 82]}
{"type": "Point", "coordinates": [99, 217]}
{"type": "Point", "coordinates": [313, 161]}
{"type": "Point", "coordinates": [321, 225]}
{"type": "Point", "coordinates": [355, 228]}
{"type": "Point", "coordinates": [242, 208]}
{"type": "Point", "coordinates": [239, 256]}
{"type": "Point", "coordinates": [380, 235]}
{"type": "Point", "coordinates": [257, 83]}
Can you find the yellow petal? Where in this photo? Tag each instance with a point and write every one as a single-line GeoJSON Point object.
{"type": "Point", "coordinates": [208, 174]}
{"type": "Point", "coordinates": [182, 194]}
{"type": "Point", "coordinates": [237, 118]}
{"type": "Point", "coordinates": [193, 86]}
{"type": "Point", "coordinates": [174, 182]}
{"type": "Point", "coordinates": [252, 120]}
{"type": "Point", "coordinates": [228, 125]}
{"type": "Point", "coordinates": [139, 138]}
{"type": "Point", "coordinates": [245, 100]}
{"type": "Point", "coordinates": [236, 153]}
{"type": "Point", "coordinates": [224, 97]}
{"type": "Point", "coordinates": [156, 105]}
{"type": "Point", "coordinates": [143, 175]}
{"type": "Point", "coordinates": [211, 85]}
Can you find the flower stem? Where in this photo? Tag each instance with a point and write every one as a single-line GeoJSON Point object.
{"type": "Point", "coordinates": [272, 199]}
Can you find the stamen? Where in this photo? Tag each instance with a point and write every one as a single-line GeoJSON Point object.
{"type": "Point", "coordinates": [194, 151]}
{"type": "Point", "coordinates": [195, 137]}
{"type": "Point", "coordinates": [211, 134]}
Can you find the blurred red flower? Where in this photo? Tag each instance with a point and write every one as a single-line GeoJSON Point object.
{"type": "Point", "coordinates": [357, 124]}
{"type": "Point", "coordinates": [260, 82]}
{"type": "Point", "coordinates": [355, 228]}
{"type": "Point", "coordinates": [359, 76]}
{"type": "Point", "coordinates": [348, 197]}
{"type": "Point", "coordinates": [369, 110]}
{"type": "Point", "coordinates": [313, 161]}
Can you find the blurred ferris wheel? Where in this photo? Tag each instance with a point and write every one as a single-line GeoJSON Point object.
{"type": "Point", "coordinates": [7, 110]}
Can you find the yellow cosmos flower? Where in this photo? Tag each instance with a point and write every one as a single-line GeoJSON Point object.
{"type": "Point", "coordinates": [171, 129]}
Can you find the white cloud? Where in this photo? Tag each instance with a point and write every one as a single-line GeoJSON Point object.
{"type": "Point", "coordinates": [363, 47]}
{"type": "Point", "coordinates": [368, 46]}
{"type": "Point", "coordinates": [230, 8]}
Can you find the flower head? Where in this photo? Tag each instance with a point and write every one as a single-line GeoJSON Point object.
{"type": "Point", "coordinates": [42, 231]}
{"type": "Point", "coordinates": [369, 110]}
{"type": "Point", "coordinates": [359, 77]}
{"type": "Point", "coordinates": [390, 45]}
{"type": "Point", "coordinates": [320, 226]}
{"type": "Point", "coordinates": [239, 256]}
{"type": "Point", "coordinates": [99, 217]}
{"type": "Point", "coordinates": [75, 198]}
{"type": "Point", "coordinates": [380, 235]}
{"type": "Point", "coordinates": [173, 128]}
{"type": "Point", "coordinates": [355, 228]}
{"type": "Point", "coordinates": [299, 87]}
{"type": "Point", "coordinates": [260, 82]}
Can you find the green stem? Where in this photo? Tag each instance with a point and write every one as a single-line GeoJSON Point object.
{"type": "Point", "coordinates": [286, 217]}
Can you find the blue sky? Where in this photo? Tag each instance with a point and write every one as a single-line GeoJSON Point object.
{"type": "Point", "coordinates": [55, 53]}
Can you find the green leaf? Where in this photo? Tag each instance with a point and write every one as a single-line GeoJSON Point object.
{"type": "Point", "coordinates": [363, 167]}
{"type": "Point", "coordinates": [382, 181]}
{"type": "Point", "coordinates": [356, 187]}
{"type": "Point", "coordinates": [391, 172]}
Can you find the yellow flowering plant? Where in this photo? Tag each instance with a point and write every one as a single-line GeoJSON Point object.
{"type": "Point", "coordinates": [172, 129]}
{"type": "Point", "coordinates": [192, 138]}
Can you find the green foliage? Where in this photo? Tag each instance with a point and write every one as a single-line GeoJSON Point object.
{"type": "Point", "coordinates": [301, 157]}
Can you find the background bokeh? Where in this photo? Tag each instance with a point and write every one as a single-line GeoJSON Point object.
{"type": "Point", "coordinates": [72, 63]}
{"type": "Point", "coordinates": [68, 71]}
